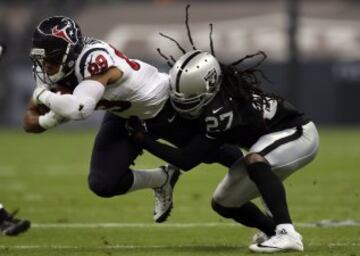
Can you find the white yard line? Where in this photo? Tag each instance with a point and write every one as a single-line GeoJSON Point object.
{"type": "Point", "coordinates": [322, 223]}
{"type": "Point", "coordinates": [127, 247]}
{"type": "Point", "coordinates": [66, 247]}
{"type": "Point", "coordinates": [349, 244]}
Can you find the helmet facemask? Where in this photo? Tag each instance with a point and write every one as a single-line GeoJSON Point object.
{"type": "Point", "coordinates": [195, 80]}
{"type": "Point", "coordinates": [38, 57]}
{"type": "Point", "coordinates": [191, 107]}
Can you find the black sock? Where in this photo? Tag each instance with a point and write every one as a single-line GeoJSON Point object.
{"type": "Point", "coordinates": [271, 189]}
{"type": "Point", "coordinates": [251, 216]}
{"type": "Point", "coordinates": [248, 215]}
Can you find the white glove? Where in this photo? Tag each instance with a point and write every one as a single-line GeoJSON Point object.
{"type": "Point", "coordinates": [50, 120]}
{"type": "Point", "coordinates": [38, 92]}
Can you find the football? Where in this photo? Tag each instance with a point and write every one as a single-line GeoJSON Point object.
{"type": "Point", "coordinates": [42, 109]}
{"type": "Point", "coordinates": [61, 89]}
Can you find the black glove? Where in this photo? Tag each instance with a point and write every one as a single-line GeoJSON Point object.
{"type": "Point", "coordinates": [136, 128]}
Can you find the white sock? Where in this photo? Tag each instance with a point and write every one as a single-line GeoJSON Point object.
{"type": "Point", "coordinates": [150, 178]}
{"type": "Point", "coordinates": [1, 206]}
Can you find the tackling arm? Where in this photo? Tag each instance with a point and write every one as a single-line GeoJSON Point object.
{"type": "Point", "coordinates": [185, 158]}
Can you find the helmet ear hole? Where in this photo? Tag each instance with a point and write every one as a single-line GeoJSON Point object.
{"type": "Point", "coordinates": [195, 83]}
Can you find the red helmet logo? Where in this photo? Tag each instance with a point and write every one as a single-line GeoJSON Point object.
{"type": "Point", "coordinates": [63, 34]}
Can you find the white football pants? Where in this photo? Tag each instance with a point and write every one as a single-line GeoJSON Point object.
{"type": "Point", "coordinates": [286, 151]}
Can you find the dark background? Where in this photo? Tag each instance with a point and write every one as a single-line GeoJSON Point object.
{"type": "Point", "coordinates": [313, 46]}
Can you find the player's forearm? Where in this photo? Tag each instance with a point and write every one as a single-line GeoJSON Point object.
{"type": "Point", "coordinates": [76, 106]}
{"type": "Point", "coordinates": [170, 154]}
{"type": "Point", "coordinates": [186, 158]}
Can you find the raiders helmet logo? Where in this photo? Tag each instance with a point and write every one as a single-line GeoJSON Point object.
{"type": "Point", "coordinates": [211, 78]}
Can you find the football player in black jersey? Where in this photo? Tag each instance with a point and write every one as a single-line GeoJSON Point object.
{"type": "Point", "coordinates": [229, 107]}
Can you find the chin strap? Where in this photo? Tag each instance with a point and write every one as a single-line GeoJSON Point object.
{"type": "Point", "coordinates": [61, 74]}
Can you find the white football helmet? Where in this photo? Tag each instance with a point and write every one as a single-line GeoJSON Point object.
{"type": "Point", "coordinates": [195, 79]}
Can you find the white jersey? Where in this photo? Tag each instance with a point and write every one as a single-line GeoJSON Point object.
{"type": "Point", "coordinates": [142, 91]}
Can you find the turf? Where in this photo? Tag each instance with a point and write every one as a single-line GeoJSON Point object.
{"type": "Point", "coordinates": [46, 176]}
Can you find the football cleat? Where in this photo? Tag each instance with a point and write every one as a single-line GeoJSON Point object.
{"type": "Point", "coordinates": [12, 226]}
{"type": "Point", "coordinates": [164, 194]}
{"type": "Point", "coordinates": [281, 241]}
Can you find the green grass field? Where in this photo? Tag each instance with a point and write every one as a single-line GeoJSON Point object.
{"type": "Point", "coordinates": [46, 176]}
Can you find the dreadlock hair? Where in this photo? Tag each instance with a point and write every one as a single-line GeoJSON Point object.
{"type": "Point", "coordinates": [238, 83]}
{"type": "Point", "coordinates": [170, 60]}
{"type": "Point", "coordinates": [244, 84]}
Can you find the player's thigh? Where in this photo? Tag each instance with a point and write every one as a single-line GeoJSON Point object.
{"type": "Point", "coordinates": [290, 149]}
{"type": "Point", "coordinates": [113, 150]}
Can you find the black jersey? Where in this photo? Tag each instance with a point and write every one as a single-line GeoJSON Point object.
{"type": "Point", "coordinates": [228, 120]}
{"type": "Point", "coordinates": [232, 121]}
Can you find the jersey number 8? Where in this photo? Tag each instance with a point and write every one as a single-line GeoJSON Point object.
{"type": "Point", "coordinates": [99, 65]}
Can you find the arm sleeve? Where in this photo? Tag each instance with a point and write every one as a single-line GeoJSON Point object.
{"type": "Point", "coordinates": [185, 158]}
{"type": "Point", "coordinates": [78, 105]}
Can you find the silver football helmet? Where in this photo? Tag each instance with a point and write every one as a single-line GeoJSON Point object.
{"type": "Point", "coordinates": [195, 79]}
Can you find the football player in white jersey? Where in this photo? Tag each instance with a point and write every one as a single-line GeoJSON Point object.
{"type": "Point", "coordinates": [101, 77]}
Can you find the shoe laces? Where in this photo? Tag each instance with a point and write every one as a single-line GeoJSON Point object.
{"type": "Point", "coordinates": [161, 194]}
{"type": "Point", "coordinates": [281, 232]}
{"type": "Point", "coordinates": [160, 198]}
